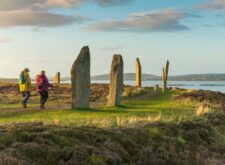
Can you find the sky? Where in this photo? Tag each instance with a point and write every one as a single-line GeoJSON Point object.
{"type": "Point", "coordinates": [48, 35]}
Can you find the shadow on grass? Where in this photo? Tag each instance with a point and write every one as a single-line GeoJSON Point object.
{"type": "Point", "coordinates": [123, 109]}
{"type": "Point", "coordinates": [116, 109]}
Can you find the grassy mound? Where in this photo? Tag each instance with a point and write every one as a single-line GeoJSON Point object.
{"type": "Point", "coordinates": [214, 100]}
{"type": "Point", "coordinates": [199, 141]}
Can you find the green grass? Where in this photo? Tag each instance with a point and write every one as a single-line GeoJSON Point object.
{"type": "Point", "coordinates": [102, 135]}
{"type": "Point", "coordinates": [157, 108]}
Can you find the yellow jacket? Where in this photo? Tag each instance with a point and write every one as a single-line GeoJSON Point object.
{"type": "Point", "coordinates": [26, 87]}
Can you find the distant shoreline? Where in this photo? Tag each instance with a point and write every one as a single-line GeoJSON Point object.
{"type": "Point", "coordinates": [146, 77]}
{"type": "Point", "coordinates": [106, 82]}
{"type": "Point", "coordinates": [67, 81]}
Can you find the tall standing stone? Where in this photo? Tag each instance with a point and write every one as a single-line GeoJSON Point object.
{"type": "Point", "coordinates": [81, 79]}
{"type": "Point", "coordinates": [165, 76]}
{"type": "Point", "coordinates": [138, 73]}
{"type": "Point", "coordinates": [57, 78]}
{"type": "Point", "coordinates": [116, 81]}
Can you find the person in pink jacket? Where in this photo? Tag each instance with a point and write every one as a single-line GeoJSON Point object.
{"type": "Point", "coordinates": [42, 85]}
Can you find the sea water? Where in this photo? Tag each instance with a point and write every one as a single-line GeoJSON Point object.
{"type": "Point", "coordinates": [203, 85]}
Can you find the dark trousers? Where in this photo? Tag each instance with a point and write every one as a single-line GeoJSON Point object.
{"type": "Point", "coordinates": [43, 97]}
{"type": "Point", "coordinates": [26, 95]}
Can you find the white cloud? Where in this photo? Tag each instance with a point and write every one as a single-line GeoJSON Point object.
{"type": "Point", "coordinates": [36, 18]}
{"type": "Point", "coordinates": [213, 5]}
{"type": "Point", "coordinates": [112, 2]}
{"type": "Point", "coordinates": [36, 12]}
{"type": "Point", "coordinates": [165, 20]}
{"type": "Point", "coordinates": [6, 5]}
{"type": "Point", "coordinates": [78, 2]}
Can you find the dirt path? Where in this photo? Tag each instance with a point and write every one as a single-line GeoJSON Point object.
{"type": "Point", "coordinates": [48, 107]}
{"type": "Point", "coordinates": [63, 106]}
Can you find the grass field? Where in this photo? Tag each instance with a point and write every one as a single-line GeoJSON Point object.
{"type": "Point", "coordinates": [156, 130]}
{"type": "Point", "coordinates": [157, 108]}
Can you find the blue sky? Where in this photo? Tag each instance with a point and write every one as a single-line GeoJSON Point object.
{"type": "Point", "coordinates": [48, 34]}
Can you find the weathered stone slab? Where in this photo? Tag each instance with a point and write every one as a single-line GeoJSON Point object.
{"type": "Point", "coordinates": [138, 73]}
{"type": "Point", "coordinates": [156, 88]}
{"type": "Point", "coordinates": [81, 79]}
{"type": "Point", "coordinates": [116, 81]}
{"type": "Point", "coordinates": [165, 76]}
{"type": "Point", "coordinates": [57, 78]}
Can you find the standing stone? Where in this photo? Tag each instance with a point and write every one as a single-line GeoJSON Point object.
{"type": "Point", "coordinates": [156, 88]}
{"type": "Point", "coordinates": [116, 81]}
{"type": "Point", "coordinates": [57, 84]}
{"type": "Point", "coordinates": [165, 76]}
{"type": "Point", "coordinates": [138, 73]}
{"type": "Point", "coordinates": [81, 79]}
{"type": "Point", "coordinates": [57, 78]}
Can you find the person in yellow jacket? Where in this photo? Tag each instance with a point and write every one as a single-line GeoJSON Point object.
{"type": "Point", "coordinates": [25, 86]}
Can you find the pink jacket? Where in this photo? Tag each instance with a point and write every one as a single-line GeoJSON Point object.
{"type": "Point", "coordinates": [42, 83]}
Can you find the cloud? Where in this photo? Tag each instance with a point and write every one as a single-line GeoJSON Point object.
{"type": "Point", "coordinates": [5, 40]}
{"type": "Point", "coordinates": [213, 5]}
{"type": "Point", "coordinates": [113, 2]}
{"type": "Point", "coordinates": [7, 5]}
{"type": "Point", "coordinates": [36, 12]}
{"type": "Point", "coordinates": [36, 19]}
{"type": "Point", "coordinates": [165, 20]}
{"type": "Point", "coordinates": [208, 25]}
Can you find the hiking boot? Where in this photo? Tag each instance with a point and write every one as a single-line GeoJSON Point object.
{"type": "Point", "coordinates": [42, 107]}
{"type": "Point", "coordinates": [24, 105]}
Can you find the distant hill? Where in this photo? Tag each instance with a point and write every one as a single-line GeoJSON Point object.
{"type": "Point", "coordinates": [199, 77]}
{"type": "Point", "coordinates": [8, 80]}
{"type": "Point", "coordinates": [149, 77]}
{"type": "Point", "coordinates": [128, 76]}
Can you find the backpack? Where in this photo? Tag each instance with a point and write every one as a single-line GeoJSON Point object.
{"type": "Point", "coordinates": [22, 78]}
{"type": "Point", "coordinates": [38, 81]}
